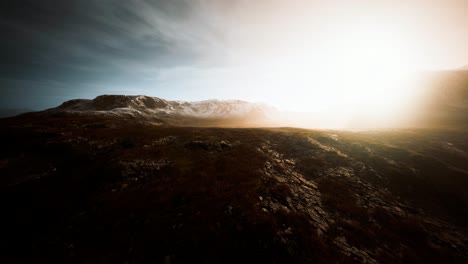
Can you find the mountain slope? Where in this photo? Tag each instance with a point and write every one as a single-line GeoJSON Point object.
{"type": "Point", "coordinates": [226, 113]}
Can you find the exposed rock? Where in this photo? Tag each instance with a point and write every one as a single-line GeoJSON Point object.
{"type": "Point", "coordinates": [134, 191]}
{"type": "Point", "coordinates": [208, 145]}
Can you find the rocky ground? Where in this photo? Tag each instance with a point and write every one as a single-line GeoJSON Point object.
{"type": "Point", "coordinates": [91, 189]}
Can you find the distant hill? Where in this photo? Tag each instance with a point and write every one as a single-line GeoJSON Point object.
{"type": "Point", "coordinates": [231, 113]}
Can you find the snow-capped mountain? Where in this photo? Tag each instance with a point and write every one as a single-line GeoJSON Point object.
{"type": "Point", "coordinates": [171, 112]}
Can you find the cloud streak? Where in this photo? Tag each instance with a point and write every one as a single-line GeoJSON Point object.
{"type": "Point", "coordinates": [200, 49]}
{"type": "Point", "coordinates": [106, 42]}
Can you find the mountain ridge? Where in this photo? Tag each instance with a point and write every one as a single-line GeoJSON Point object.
{"type": "Point", "coordinates": [231, 112]}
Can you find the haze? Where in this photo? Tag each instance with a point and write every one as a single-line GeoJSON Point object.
{"type": "Point", "coordinates": [339, 60]}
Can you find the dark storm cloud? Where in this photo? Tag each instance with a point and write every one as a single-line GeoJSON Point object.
{"type": "Point", "coordinates": [77, 44]}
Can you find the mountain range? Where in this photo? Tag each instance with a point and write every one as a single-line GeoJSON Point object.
{"type": "Point", "coordinates": [160, 111]}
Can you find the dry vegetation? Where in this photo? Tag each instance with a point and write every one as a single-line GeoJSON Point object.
{"type": "Point", "coordinates": [97, 190]}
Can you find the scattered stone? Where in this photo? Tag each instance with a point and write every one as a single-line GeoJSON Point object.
{"type": "Point", "coordinates": [208, 145]}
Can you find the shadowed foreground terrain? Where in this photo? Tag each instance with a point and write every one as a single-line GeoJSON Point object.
{"type": "Point", "coordinates": [108, 191]}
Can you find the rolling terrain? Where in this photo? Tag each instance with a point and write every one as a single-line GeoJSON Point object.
{"type": "Point", "coordinates": [99, 187]}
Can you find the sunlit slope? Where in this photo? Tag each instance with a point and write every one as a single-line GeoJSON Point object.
{"type": "Point", "coordinates": [444, 99]}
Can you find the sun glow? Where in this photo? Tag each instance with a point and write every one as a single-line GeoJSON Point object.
{"type": "Point", "coordinates": [361, 77]}
{"type": "Point", "coordinates": [347, 63]}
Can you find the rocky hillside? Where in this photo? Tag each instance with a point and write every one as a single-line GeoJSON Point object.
{"type": "Point", "coordinates": [93, 189]}
{"type": "Point", "coordinates": [156, 110]}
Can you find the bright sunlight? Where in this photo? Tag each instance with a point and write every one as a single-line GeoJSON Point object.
{"type": "Point", "coordinates": [363, 75]}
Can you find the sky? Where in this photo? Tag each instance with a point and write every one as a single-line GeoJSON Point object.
{"type": "Point", "coordinates": [309, 56]}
